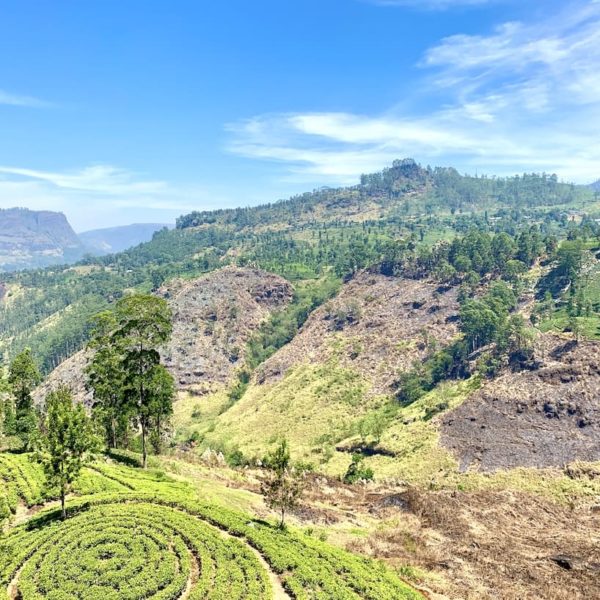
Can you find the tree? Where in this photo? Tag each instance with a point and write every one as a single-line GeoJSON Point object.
{"type": "Point", "coordinates": [357, 471]}
{"type": "Point", "coordinates": [67, 444]}
{"type": "Point", "coordinates": [143, 324]}
{"type": "Point", "coordinates": [283, 487]}
{"type": "Point", "coordinates": [23, 377]}
{"type": "Point", "coordinates": [106, 379]}
{"type": "Point", "coordinates": [161, 392]}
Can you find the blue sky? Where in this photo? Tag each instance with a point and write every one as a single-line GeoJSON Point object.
{"type": "Point", "coordinates": [137, 111]}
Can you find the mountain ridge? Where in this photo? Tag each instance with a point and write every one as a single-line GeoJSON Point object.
{"type": "Point", "coordinates": [36, 238]}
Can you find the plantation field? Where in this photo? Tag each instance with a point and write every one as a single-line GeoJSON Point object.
{"type": "Point", "coordinates": [141, 534]}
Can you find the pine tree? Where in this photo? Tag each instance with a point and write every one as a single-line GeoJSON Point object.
{"type": "Point", "coordinates": [23, 377]}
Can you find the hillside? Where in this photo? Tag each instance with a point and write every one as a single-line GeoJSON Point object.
{"type": "Point", "coordinates": [545, 417]}
{"type": "Point", "coordinates": [31, 239]}
{"type": "Point", "coordinates": [116, 239]}
{"type": "Point", "coordinates": [422, 325]}
{"type": "Point", "coordinates": [326, 231]}
{"type": "Point", "coordinates": [213, 319]}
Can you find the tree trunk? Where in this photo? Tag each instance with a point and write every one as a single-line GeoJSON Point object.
{"type": "Point", "coordinates": [282, 522]}
{"type": "Point", "coordinates": [144, 443]}
{"type": "Point", "coordinates": [113, 433]}
{"type": "Point", "coordinates": [62, 502]}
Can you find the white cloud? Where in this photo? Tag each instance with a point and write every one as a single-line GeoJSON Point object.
{"type": "Point", "coordinates": [25, 101]}
{"type": "Point", "coordinates": [524, 97]}
{"type": "Point", "coordinates": [100, 195]}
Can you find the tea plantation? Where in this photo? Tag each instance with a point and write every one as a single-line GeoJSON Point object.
{"type": "Point", "coordinates": [133, 534]}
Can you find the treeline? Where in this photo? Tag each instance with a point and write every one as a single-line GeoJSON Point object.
{"type": "Point", "coordinates": [471, 257]}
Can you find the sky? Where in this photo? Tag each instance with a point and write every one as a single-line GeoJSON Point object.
{"type": "Point", "coordinates": [117, 111]}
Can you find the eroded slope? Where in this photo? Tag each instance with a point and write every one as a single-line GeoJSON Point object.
{"type": "Point", "coordinates": [213, 318]}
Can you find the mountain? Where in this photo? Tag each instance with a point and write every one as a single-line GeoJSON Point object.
{"type": "Point", "coordinates": [117, 239]}
{"type": "Point", "coordinates": [35, 239]}
{"type": "Point", "coordinates": [595, 186]}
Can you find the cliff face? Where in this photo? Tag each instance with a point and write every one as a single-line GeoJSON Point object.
{"type": "Point", "coordinates": [36, 238]}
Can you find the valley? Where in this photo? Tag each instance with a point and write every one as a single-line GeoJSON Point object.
{"type": "Point", "coordinates": [427, 345]}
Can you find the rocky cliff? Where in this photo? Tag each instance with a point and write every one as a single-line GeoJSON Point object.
{"type": "Point", "coordinates": [36, 238]}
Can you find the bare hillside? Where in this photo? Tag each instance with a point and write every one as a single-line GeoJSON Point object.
{"type": "Point", "coordinates": [377, 326]}
{"type": "Point", "coordinates": [213, 318]}
{"type": "Point", "coordinates": [546, 417]}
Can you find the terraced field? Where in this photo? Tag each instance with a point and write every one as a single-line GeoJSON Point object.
{"type": "Point", "coordinates": [21, 483]}
{"type": "Point", "coordinates": [154, 538]}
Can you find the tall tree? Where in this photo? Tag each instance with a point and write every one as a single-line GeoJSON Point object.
{"type": "Point", "coordinates": [67, 444]}
{"type": "Point", "coordinates": [143, 324]}
{"type": "Point", "coordinates": [106, 379]}
{"type": "Point", "coordinates": [283, 486]}
{"type": "Point", "coordinates": [23, 377]}
{"type": "Point", "coordinates": [161, 391]}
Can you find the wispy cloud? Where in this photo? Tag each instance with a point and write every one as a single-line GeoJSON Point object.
{"type": "Point", "coordinates": [524, 97]}
{"type": "Point", "coordinates": [433, 4]}
{"type": "Point", "coordinates": [92, 196]}
{"type": "Point", "coordinates": [18, 100]}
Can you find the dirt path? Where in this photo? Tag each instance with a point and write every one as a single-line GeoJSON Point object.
{"type": "Point", "coordinates": [279, 592]}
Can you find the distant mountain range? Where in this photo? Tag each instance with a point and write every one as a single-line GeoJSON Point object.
{"type": "Point", "coordinates": [117, 239]}
{"type": "Point", "coordinates": [36, 238]}
{"type": "Point", "coordinates": [595, 185]}
{"type": "Point", "coordinates": [30, 239]}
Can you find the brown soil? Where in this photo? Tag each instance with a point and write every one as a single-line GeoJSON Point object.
{"type": "Point", "coordinates": [549, 416]}
{"type": "Point", "coordinates": [213, 318]}
{"type": "Point", "coordinates": [376, 325]}
{"type": "Point", "coordinates": [486, 545]}
{"type": "Point", "coordinates": [492, 545]}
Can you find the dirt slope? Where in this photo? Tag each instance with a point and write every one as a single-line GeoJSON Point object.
{"type": "Point", "coordinates": [376, 326]}
{"type": "Point", "coordinates": [546, 417]}
{"type": "Point", "coordinates": [213, 318]}
{"type": "Point", "coordinates": [341, 365]}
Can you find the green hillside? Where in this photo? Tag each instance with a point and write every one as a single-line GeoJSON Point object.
{"type": "Point", "coordinates": [133, 534]}
{"type": "Point", "coordinates": [329, 230]}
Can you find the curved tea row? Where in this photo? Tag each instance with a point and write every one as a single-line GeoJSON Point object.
{"type": "Point", "coordinates": [133, 546]}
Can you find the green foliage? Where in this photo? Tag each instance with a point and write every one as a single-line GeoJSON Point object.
{"type": "Point", "coordinates": [67, 442]}
{"type": "Point", "coordinates": [283, 487]}
{"type": "Point", "coordinates": [283, 325]}
{"type": "Point", "coordinates": [23, 377]}
{"type": "Point", "coordinates": [142, 323]}
{"type": "Point", "coordinates": [357, 470]}
{"type": "Point", "coordinates": [180, 543]}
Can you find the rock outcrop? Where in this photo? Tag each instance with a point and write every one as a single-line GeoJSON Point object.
{"type": "Point", "coordinates": [36, 238]}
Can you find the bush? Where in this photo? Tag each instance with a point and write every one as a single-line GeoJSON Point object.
{"type": "Point", "coordinates": [357, 471]}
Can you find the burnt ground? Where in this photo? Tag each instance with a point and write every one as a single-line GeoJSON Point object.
{"type": "Point", "coordinates": [481, 545]}
{"type": "Point", "coordinates": [213, 319]}
{"type": "Point", "coordinates": [545, 417]}
{"type": "Point", "coordinates": [377, 326]}
{"type": "Point", "coordinates": [492, 545]}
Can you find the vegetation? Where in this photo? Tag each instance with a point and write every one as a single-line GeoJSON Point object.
{"type": "Point", "coordinates": [66, 444]}
{"type": "Point", "coordinates": [178, 546]}
{"type": "Point", "coordinates": [20, 417]}
{"type": "Point", "coordinates": [283, 487]}
{"type": "Point", "coordinates": [125, 373]}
